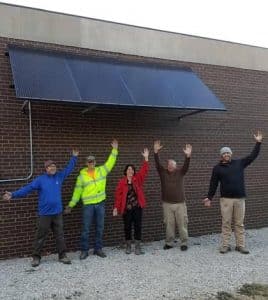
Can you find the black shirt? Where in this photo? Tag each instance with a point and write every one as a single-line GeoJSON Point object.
{"type": "Point", "coordinates": [231, 176]}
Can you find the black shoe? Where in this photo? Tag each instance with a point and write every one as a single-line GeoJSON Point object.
{"type": "Point", "coordinates": [167, 247]}
{"type": "Point", "coordinates": [99, 253]}
{"type": "Point", "coordinates": [35, 262]}
{"type": "Point", "coordinates": [65, 260]}
{"type": "Point", "coordinates": [242, 250]}
{"type": "Point", "coordinates": [184, 247]}
{"type": "Point", "coordinates": [83, 255]}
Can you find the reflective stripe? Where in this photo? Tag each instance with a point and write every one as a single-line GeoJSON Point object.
{"type": "Point", "coordinates": [94, 181]}
{"type": "Point", "coordinates": [115, 155]}
{"type": "Point", "coordinates": [81, 179]}
{"type": "Point", "coordinates": [74, 200]}
{"type": "Point", "coordinates": [79, 186]}
{"type": "Point", "coordinates": [100, 171]}
{"type": "Point", "coordinates": [106, 169]}
{"type": "Point", "coordinates": [94, 197]}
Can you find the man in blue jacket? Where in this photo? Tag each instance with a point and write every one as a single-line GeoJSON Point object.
{"type": "Point", "coordinates": [48, 186]}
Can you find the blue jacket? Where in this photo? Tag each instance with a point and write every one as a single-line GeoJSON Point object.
{"type": "Point", "coordinates": [49, 190]}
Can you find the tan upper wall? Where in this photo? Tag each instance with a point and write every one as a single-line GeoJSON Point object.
{"type": "Point", "coordinates": [49, 27]}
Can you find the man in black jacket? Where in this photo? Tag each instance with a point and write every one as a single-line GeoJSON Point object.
{"type": "Point", "coordinates": [230, 173]}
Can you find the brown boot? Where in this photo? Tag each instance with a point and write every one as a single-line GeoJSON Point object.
{"type": "Point", "coordinates": [128, 246]}
{"type": "Point", "coordinates": [138, 250]}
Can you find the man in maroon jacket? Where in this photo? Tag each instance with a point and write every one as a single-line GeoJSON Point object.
{"type": "Point", "coordinates": [173, 196]}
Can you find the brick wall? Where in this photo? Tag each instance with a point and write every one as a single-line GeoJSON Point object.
{"type": "Point", "coordinates": [58, 128]}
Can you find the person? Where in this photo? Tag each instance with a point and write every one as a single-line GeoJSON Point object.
{"type": "Point", "coordinates": [230, 174]}
{"type": "Point", "coordinates": [90, 188]}
{"type": "Point", "coordinates": [173, 196]}
{"type": "Point", "coordinates": [130, 201]}
{"type": "Point", "coordinates": [48, 186]}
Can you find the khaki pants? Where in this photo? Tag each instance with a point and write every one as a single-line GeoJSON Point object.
{"type": "Point", "coordinates": [233, 208]}
{"type": "Point", "coordinates": [175, 215]}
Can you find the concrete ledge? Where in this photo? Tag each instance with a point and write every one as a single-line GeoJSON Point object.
{"type": "Point", "coordinates": [49, 27]}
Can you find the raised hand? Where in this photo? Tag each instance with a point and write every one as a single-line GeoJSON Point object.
{"type": "Point", "coordinates": [145, 154]}
{"type": "Point", "coordinates": [157, 146]}
{"type": "Point", "coordinates": [7, 196]}
{"type": "Point", "coordinates": [258, 137]}
{"type": "Point", "coordinates": [114, 144]}
{"type": "Point", "coordinates": [75, 152]}
{"type": "Point", "coordinates": [188, 150]}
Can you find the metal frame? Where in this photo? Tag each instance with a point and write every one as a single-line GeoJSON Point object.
{"type": "Point", "coordinates": [31, 144]}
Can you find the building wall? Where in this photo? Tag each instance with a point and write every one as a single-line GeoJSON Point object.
{"type": "Point", "coordinates": [57, 28]}
{"type": "Point", "coordinates": [57, 128]}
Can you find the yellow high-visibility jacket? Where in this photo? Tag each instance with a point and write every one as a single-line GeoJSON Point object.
{"type": "Point", "coordinates": [92, 190]}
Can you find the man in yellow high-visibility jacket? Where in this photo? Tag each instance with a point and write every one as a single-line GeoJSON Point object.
{"type": "Point", "coordinates": [90, 188]}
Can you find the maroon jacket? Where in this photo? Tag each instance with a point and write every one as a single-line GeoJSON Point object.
{"type": "Point", "coordinates": [122, 189]}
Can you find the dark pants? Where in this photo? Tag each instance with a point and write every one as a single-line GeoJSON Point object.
{"type": "Point", "coordinates": [92, 212]}
{"type": "Point", "coordinates": [133, 216]}
{"type": "Point", "coordinates": [44, 224]}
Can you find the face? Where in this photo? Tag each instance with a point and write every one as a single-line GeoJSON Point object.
{"type": "Point", "coordinates": [171, 165]}
{"type": "Point", "coordinates": [130, 171]}
{"type": "Point", "coordinates": [51, 170]}
{"type": "Point", "coordinates": [91, 164]}
{"type": "Point", "coordinates": [226, 157]}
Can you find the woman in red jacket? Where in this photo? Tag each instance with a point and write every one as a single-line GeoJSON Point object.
{"type": "Point", "coordinates": [130, 201]}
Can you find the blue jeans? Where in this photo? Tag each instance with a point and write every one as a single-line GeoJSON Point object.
{"type": "Point", "coordinates": [90, 212]}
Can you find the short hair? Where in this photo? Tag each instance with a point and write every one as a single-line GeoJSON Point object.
{"type": "Point", "coordinates": [127, 166]}
{"type": "Point", "coordinates": [172, 161]}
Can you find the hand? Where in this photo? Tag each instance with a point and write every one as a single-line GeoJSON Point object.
{"type": "Point", "coordinates": [188, 150]}
{"type": "Point", "coordinates": [207, 202]}
{"type": "Point", "coordinates": [7, 196]}
{"type": "Point", "coordinates": [258, 137]}
{"type": "Point", "coordinates": [114, 144]}
{"type": "Point", "coordinates": [115, 213]}
{"type": "Point", "coordinates": [67, 210]}
{"type": "Point", "coordinates": [75, 152]}
{"type": "Point", "coordinates": [157, 146]}
{"type": "Point", "coordinates": [145, 154]}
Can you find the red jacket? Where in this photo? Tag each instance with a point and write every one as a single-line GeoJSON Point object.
{"type": "Point", "coordinates": [122, 189]}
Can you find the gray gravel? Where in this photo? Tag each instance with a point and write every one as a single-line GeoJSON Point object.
{"type": "Point", "coordinates": [159, 274]}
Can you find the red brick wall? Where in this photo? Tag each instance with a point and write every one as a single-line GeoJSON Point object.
{"type": "Point", "coordinates": [58, 128]}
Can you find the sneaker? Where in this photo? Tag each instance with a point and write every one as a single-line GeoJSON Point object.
{"type": "Point", "coordinates": [184, 247]}
{"type": "Point", "coordinates": [225, 249]}
{"type": "Point", "coordinates": [83, 255]}
{"type": "Point", "coordinates": [99, 253]}
{"type": "Point", "coordinates": [242, 250]}
{"type": "Point", "coordinates": [167, 247]}
{"type": "Point", "coordinates": [35, 262]}
{"type": "Point", "coordinates": [65, 260]}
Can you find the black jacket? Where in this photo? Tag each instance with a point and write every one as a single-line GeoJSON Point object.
{"type": "Point", "coordinates": [231, 176]}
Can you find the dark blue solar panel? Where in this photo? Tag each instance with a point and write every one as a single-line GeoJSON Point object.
{"type": "Point", "coordinates": [61, 77]}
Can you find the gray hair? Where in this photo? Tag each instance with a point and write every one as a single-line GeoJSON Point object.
{"type": "Point", "coordinates": [173, 162]}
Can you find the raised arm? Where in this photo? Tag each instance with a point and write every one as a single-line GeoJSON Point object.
{"type": "Point", "coordinates": [110, 162]}
{"type": "Point", "coordinates": [71, 165]}
{"type": "Point", "coordinates": [255, 152]}
{"type": "Point", "coordinates": [188, 152]}
{"type": "Point", "coordinates": [157, 148]}
{"type": "Point", "coordinates": [141, 174]}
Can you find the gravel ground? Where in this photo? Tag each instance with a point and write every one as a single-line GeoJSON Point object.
{"type": "Point", "coordinates": [197, 273]}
